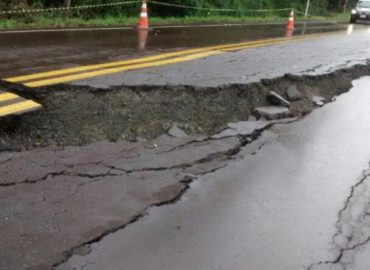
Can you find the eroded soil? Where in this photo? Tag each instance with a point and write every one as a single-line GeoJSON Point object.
{"type": "Point", "coordinates": [75, 115]}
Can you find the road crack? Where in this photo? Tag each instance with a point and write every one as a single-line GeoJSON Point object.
{"type": "Point", "coordinates": [187, 180]}
{"type": "Point", "coordinates": [33, 181]}
{"type": "Point", "coordinates": [353, 225]}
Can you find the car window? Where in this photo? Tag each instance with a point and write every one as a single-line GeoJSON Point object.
{"type": "Point", "coordinates": [364, 4]}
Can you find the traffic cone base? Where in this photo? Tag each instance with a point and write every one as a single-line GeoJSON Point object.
{"type": "Point", "coordinates": [289, 33]}
{"type": "Point", "coordinates": [143, 20]}
{"type": "Point", "coordinates": [142, 35]}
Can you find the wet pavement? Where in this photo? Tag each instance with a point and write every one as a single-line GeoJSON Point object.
{"type": "Point", "coordinates": [291, 196]}
{"type": "Point", "coordinates": [300, 201]}
{"type": "Point", "coordinates": [29, 52]}
{"type": "Point", "coordinates": [324, 54]}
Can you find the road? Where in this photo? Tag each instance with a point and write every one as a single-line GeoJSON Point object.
{"type": "Point", "coordinates": [158, 157]}
{"type": "Point", "coordinates": [308, 56]}
{"type": "Point", "coordinates": [47, 50]}
{"type": "Point", "coordinates": [301, 202]}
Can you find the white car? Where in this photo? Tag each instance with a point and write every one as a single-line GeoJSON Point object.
{"type": "Point", "coordinates": [361, 11]}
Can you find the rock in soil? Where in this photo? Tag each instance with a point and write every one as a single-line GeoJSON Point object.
{"type": "Point", "coordinates": [293, 93]}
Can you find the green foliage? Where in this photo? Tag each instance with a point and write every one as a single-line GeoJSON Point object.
{"type": "Point", "coordinates": [159, 14]}
{"type": "Point", "coordinates": [317, 6]}
{"type": "Point", "coordinates": [57, 21]}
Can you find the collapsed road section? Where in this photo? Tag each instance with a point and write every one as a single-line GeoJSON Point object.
{"type": "Point", "coordinates": [93, 160]}
{"type": "Point", "coordinates": [300, 202]}
{"type": "Point", "coordinates": [79, 115]}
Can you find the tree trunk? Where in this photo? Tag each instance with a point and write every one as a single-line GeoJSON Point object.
{"type": "Point", "coordinates": [68, 3]}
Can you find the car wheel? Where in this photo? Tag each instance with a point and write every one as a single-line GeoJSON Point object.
{"type": "Point", "coordinates": [353, 20]}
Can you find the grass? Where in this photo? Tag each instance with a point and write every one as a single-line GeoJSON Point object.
{"type": "Point", "coordinates": [39, 22]}
{"type": "Point", "coordinates": [335, 17]}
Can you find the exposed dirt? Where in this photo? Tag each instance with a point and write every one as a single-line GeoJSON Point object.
{"type": "Point", "coordinates": [75, 115]}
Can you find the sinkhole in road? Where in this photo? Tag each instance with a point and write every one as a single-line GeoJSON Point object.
{"type": "Point", "coordinates": [79, 115]}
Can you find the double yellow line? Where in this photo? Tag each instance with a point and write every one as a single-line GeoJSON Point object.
{"type": "Point", "coordinates": [83, 72]}
{"type": "Point", "coordinates": [13, 104]}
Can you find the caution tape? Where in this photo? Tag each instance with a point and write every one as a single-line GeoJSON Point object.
{"type": "Point", "coordinates": [40, 10]}
{"type": "Point", "coordinates": [317, 18]}
{"type": "Point", "coordinates": [216, 9]}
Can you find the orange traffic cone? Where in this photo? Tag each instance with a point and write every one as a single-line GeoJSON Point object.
{"type": "Point", "coordinates": [143, 20]}
{"type": "Point", "coordinates": [289, 33]}
{"type": "Point", "coordinates": [290, 24]}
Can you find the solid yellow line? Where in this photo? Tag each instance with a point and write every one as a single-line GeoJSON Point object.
{"type": "Point", "coordinates": [128, 62]}
{"type": "Point", "coordinates": [262, 45]}
{"type": "Point", "coordinates": [120, 69]}
{"type": "Point", "coordinates": [147, 59]}
{"type": "Point", "coordinates": [19, 107]}
{"type": "Point", "coordinates": [151, 64]}
{"type": "Point", "coordinates": [7, 96]}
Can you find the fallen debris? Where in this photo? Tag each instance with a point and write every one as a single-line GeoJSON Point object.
{"type": "Point", "coordinates": [277, 100]}
{"type": "Point", "coordinates": [176, 132]}
{"type": "Point", "coordinates": [241, 128]}
{"type": "Point", "coordinates": [272, 112]}
{"type": "Point", "coordinates": [79, 115]}
{"type": "Point", "coordinates": [293, 93]}
{"type": "Point", "coordinates": [318, 101]}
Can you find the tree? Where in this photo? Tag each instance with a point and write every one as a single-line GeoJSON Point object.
{"type": "Point", "coordinates": [19, 3]}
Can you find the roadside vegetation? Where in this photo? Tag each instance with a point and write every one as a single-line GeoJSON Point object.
{"type": "Point", "coordinates": [237, 11]}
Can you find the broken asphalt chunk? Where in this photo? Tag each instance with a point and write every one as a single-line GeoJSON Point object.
{"type": "Point", "coordinates": [318, 101]}
{"type": "Point", "coordinates": [293, 93]}
{"type": "Point", "coordinates": [272, 112]}
{"type": "Point", "coordinates": [275, 99]}
{"type": "Point", "coordinates": [176, 132]}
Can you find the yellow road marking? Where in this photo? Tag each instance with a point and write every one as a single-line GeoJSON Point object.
{"type": "Point", "coordinates": [128, 62]}
{"type": "Point", "coordinates": [145, 62]}
{"type": "Point", "coordinates": [120, 69]}
{"type": "Point", "coordinates": [254, 46]}
{"type": "Point", "coordinates": [7, 96]}
{"type": "Point", "coordinates": [19, 107]}
{"type": "Point", "coordinates": [154, 64]}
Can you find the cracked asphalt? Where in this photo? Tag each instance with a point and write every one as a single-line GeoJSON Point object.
{"type": "Point", "coordinates": [298, 195]}
{"type": "Point", "coordinates": [55, 199]}
{"type": "Point", "coordinates": [273, 195]}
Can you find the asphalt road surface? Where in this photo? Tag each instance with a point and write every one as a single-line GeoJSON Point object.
{"type": "Point", "coordinates": [259, 194]}
{"type": "Point", "coordinates": [326, 53]}
{"type": "Point", "coordinates": [316, 53]}
{"type": "Point", "coordinates": [30, 52]}
{"type": "Point", "coordinates": [301, 202]}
